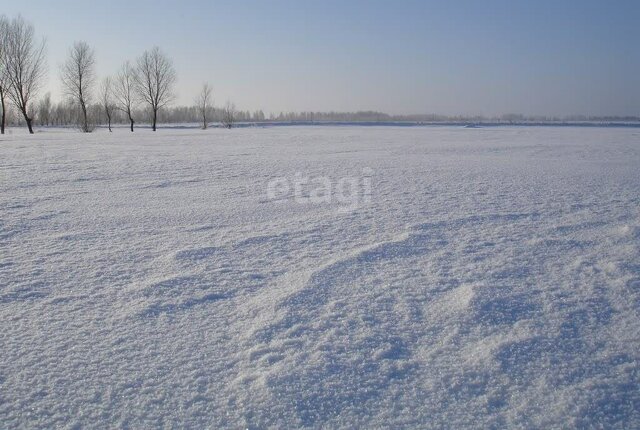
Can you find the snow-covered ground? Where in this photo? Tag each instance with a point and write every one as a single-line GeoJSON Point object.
{"type": "Point", "coordinates": [483, 277]}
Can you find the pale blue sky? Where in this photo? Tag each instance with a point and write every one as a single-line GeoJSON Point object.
{"type": "Point", "coordinates": [451, 57]}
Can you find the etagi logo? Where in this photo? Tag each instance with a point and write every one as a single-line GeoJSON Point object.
{"type": "Point", "coordinates": [349, 192]}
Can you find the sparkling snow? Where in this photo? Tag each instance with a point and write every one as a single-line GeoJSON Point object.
{"type": "Point", "coordinates": [490, 278]}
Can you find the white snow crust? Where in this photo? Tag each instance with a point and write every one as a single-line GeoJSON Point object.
{"type": "Point", "coordinates": [491, 280]}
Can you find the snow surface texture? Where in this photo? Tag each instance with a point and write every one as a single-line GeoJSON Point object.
{"type": "Point", "coordinates": [148, 280]}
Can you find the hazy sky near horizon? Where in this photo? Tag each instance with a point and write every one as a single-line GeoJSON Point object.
{"type": "Point", "coordinates": [450, 57]}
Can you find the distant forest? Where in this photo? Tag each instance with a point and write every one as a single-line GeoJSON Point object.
{"type": "Point", "coordinates": [64, 114]}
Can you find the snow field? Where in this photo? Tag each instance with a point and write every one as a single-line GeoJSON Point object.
{"type": "Point", "coordinates": [492, 280]}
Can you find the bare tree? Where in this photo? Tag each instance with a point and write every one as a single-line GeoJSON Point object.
{"type": "Point", "coordinates": [4, 82]}
{"type": "Point", "coordinates": [78, 79]}
{"type": "Point", "coordinates": [203, 103]}
{"type": "Point", "coordinates": [106, 99]}
{"type": "Point", "coordinates": [228, 115]}
{"type": "Point", "coordinates": [155, 79]}
{"type": "Point", "coordinates": [124, 91]}
{"type": "Point", "coordinates": [25, 65]}
{"type": "Point", "coordinates": [3, 103]}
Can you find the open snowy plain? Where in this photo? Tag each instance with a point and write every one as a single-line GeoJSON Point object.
{"type": "Point", "coordinates": [320, 277]}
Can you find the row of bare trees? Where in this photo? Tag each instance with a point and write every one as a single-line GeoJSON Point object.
{"type": "Point", "coordinates": [150, 81]}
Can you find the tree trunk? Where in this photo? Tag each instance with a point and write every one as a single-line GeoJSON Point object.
{"type": "Point", "coordinates": [85, 125]}
{"type": "Point", "coordinates": [28, 120]}
{"type": "Point", "coordinates": [155, 118]}
{"type": "Point", "coordinates": [131, 120]}
{"type": "Point", "coordinates": [4, 117]}
{"type": "Point", "coordinates": [106, 111]}
{"type": "Point", "coordinates": [204, 122]}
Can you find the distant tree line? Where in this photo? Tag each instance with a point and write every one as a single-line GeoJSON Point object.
{"type": "Point", "coordinates": [143, 90]}
{"type": "Point", "coordinates": [65, 114]}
